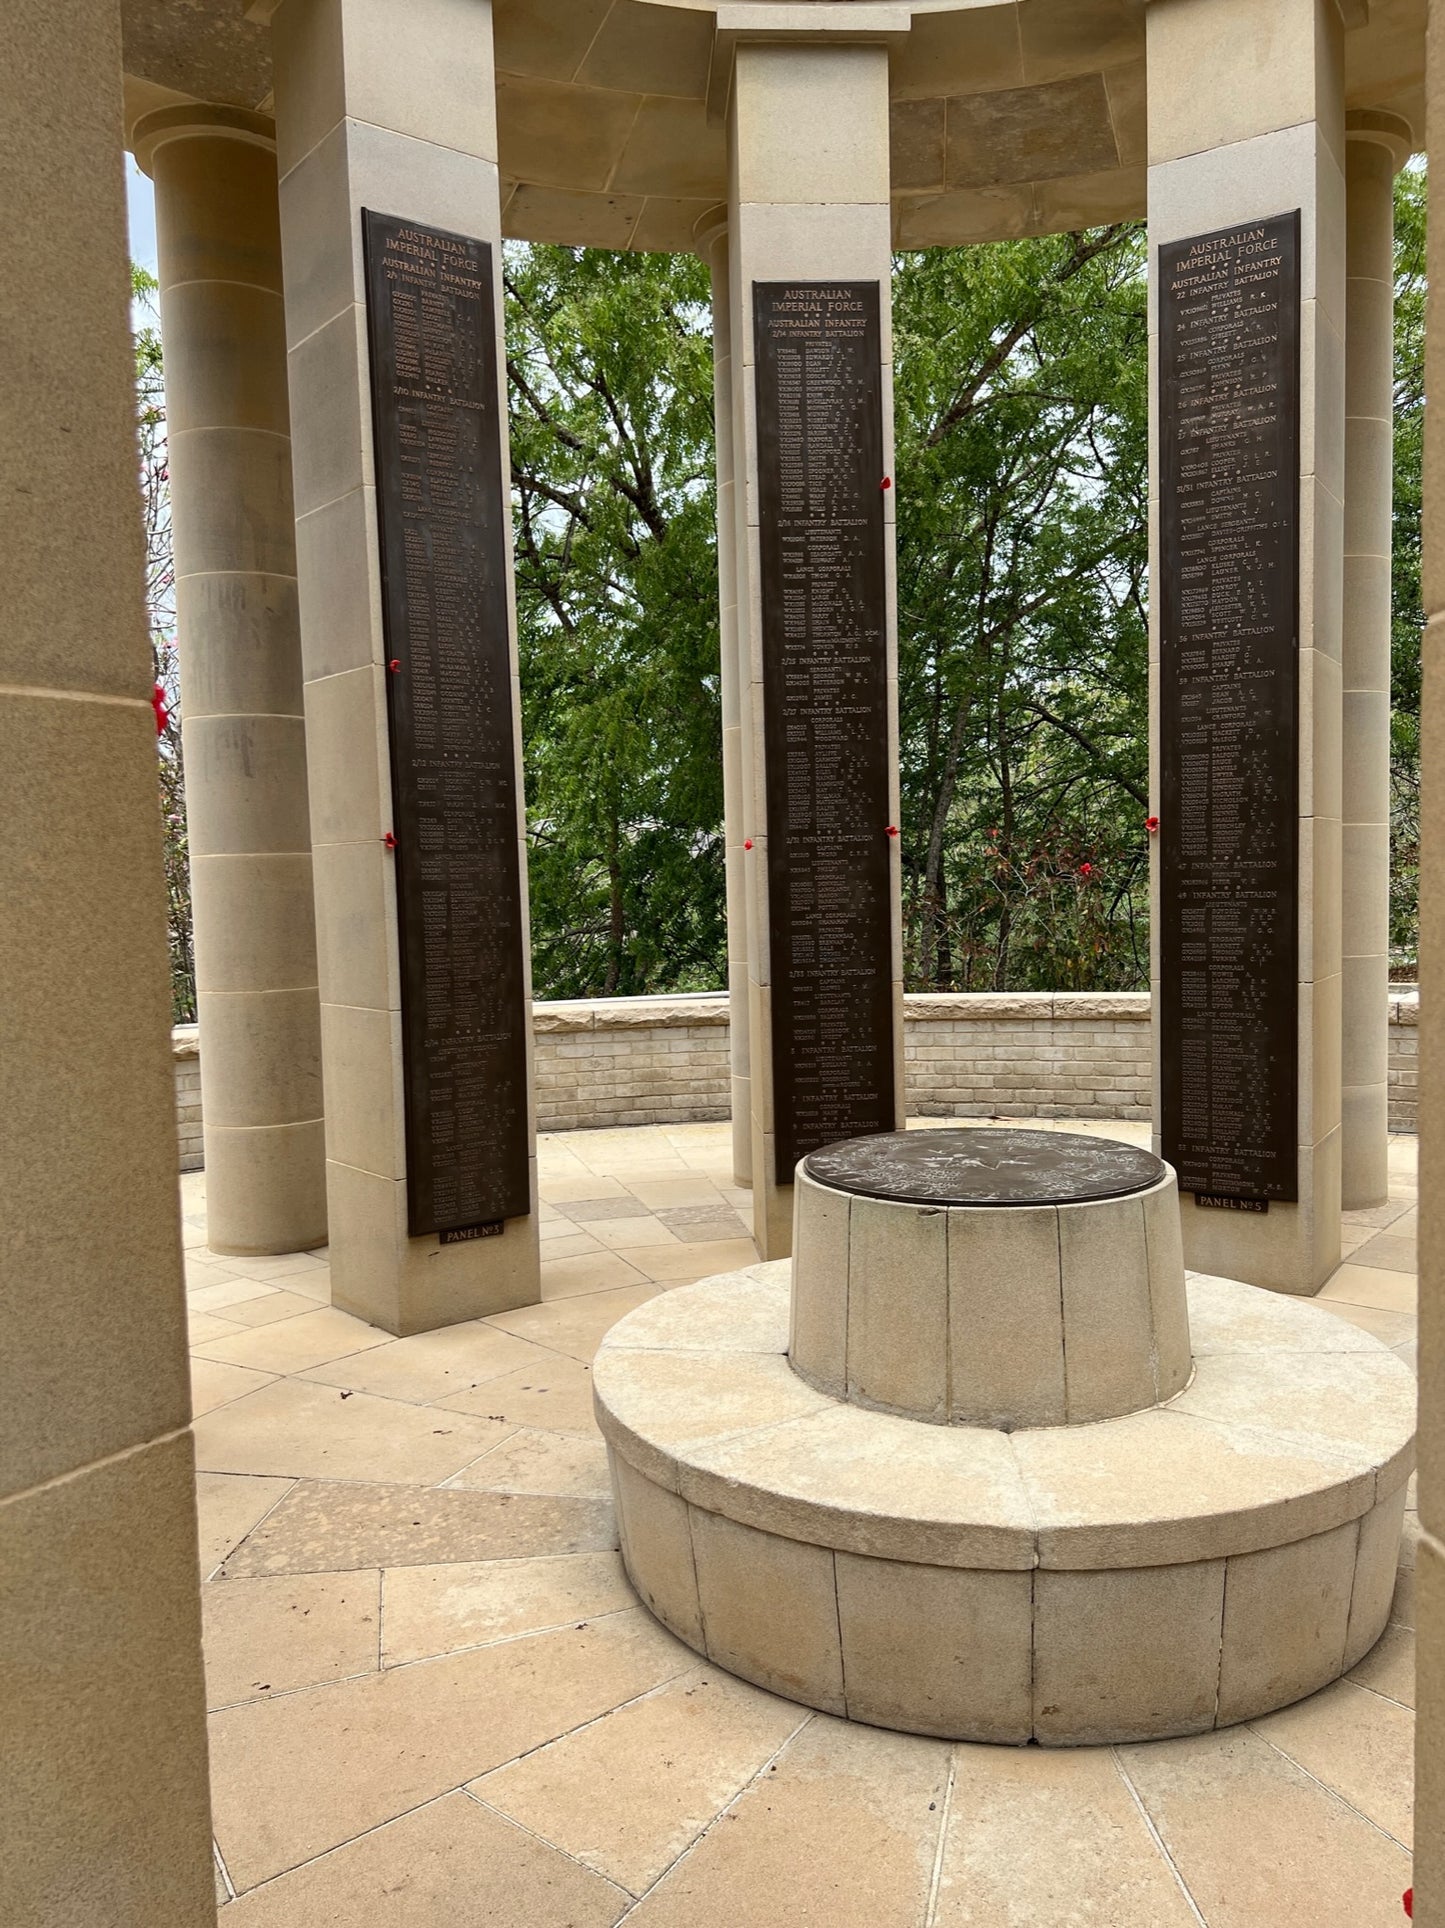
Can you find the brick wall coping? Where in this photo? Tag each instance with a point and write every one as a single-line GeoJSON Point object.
{"type": "Point", "coordinates": [922, 1007]}
{"type": "Point", "coordinates": [987, 1007]}
{"type": "Point", "coordinates": [631, 1013]}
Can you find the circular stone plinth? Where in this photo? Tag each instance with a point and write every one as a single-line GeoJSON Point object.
{"type": "Point", "coordinates": [1163, 1573]}
{"type": "Point", "coordinates": [985, 1166]}
{"type": "Point", "coordinates": [999, 1278]}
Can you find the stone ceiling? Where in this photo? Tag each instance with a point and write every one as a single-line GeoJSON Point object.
{"type": "Point", "coordinates": [1010, 117]}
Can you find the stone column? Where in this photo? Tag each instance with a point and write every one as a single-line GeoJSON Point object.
{"type": "Point", "coordinates": [808, 198]}
{"type": "Point", "coordinates": [1246, 121]}
{"type": "Point", "coordinates": [244, 732]}
{"type": "Point", "coordinates": [712, 243]}
{"type": "Point", "coordinates": [1376, 146]}
{"type": "Point", "coordinates": [402, 123]}
{"type": "Point", "coordinates": [1429, 1868]}
{"type": "Point", "coordinates": [103, 1795]}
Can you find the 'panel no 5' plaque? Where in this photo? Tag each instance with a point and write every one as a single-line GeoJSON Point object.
{"type": "Point", "coordinates": [442, 506]}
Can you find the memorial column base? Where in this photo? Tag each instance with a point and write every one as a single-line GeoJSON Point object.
{"type": "Point", "coordinates": [1248, 993]}
{"type": "Point", "coordinates": [402, 124]}
{"type": "Point", "coordinates": [810, 240]}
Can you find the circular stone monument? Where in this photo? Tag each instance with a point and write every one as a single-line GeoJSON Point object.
{"type": "Point", "coordinates": [957, 1469]}
{"type": "Point", "coordinates": [1003, 1278]}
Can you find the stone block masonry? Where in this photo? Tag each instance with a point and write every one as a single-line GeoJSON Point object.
{"type": "Point", "coordinates": [1031, 1054]}
{"type": "Point", "coordinates": [186, 1051]}
{"type": "Point", "coordinates": [631, 1061]}
{"type": "Point", "coordinates": [1404, 1060]}
{"type": "Point", "coordinates": [1141, 1576]}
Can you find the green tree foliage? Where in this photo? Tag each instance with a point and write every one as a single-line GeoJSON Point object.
{"type": "Point", "coordinates": [1021, 420]}
{"type": "Point", "coordinates": [1408, 613]}
{"type": "Point", "coordinates": [1022, 431]}
{"type": "Point", "coordinates": [161, 618]}
{"type": "Point", "coordinates": [609, 358]}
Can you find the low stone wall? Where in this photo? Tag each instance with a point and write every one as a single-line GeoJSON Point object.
{"type": "Point", "coordinates": [1028, 1054]}
{"type": "Point", "coordinates": [186, 1050]}
{"type": "Point", "coordinates": [631, 1061]}
{"type": "Point", "coordinates": [1404, 1060]}
{"type": "Point", "coordinates": [657, 1061]}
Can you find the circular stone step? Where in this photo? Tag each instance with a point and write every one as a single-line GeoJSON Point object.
{"type": "Point", "coordinates": [1160, 1573]}
{"type": "Point", "coordinates": [989, 1277]}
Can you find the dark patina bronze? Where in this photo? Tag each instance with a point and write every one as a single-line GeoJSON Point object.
{"type": "Point", "coordinates": [1228, 594]}
{"type": "Point", "coordinates": [442, 504]}
{"type": "Point", "coordinates": [825, 694]}
{"type": "Point", "coordinates": [986, 1166]}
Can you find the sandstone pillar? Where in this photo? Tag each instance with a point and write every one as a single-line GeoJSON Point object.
{"type": "Point", "coordinates": [1430, 1557]}
{"type": "Point", "coordinates": [103, 1796]}
{"type": "Point", "coordinates": [1246, 122]}
{"type": "Point", "coordinates": [712, 240]}
{"type": "Point", "coordinates": [401, 122]}
{"type": "Point", "coordinates": [809, 203]}
{"type": "Point", "coordinates": [244, 730]}
{"type": "Point", "coordinates": [1376, 146]}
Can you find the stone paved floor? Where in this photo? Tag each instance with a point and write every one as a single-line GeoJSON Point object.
{"type": "Point", "coordinates": [436, 1703]}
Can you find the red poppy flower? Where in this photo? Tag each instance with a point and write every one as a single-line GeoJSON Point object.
{"type": "Point", "coordinates": [1086, 870]}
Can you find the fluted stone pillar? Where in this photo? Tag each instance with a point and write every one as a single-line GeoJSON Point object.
{"type": "Point", "coordinates": [1246, 122]}
{"type": "Point", "coordinates": [808, 200]}
{"type": "Point", "coordinates": [398, 117]}
{"type": "Point", "coordinates": [243, 728]}
{"type": "Point", "coordinates": [103, 1796]}
{"type": "Point", "coordinates": [1376, 147]}
{"type": "Point", "coordinates": [712, 242]}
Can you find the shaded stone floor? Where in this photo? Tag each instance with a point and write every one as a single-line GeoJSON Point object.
{"type": "Point", "coordinates": [436, 1704]}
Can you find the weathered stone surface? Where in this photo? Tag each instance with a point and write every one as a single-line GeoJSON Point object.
{"type": "Point", "coordinates": [982, 1166]}
{"type": "Point", "coordinates": [735, 1312]}
{"type": "Point", "coordinates": [872, 1483]}
{"type": "Point", "coordinates": [1012, 1311]}
{"type": "Point", "coordinates": [1286, 1609]}
{"type": "Point", "coordinates": [768, 1523]}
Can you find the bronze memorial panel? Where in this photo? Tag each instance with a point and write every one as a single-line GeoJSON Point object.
{"type": "Point", "coordinates": [980, 1165]}
{"type": "Point", "coordinates": [442, 505]}
{"type": "Point", "coordinates": [1229, 416]}
{"type": "Point", "coordinates": [825, 695]}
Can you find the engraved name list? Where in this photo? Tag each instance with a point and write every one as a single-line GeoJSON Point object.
{"type": "Point", "coordinates": [1229, 320]}
{"type": "Point", "coordinates": [442, 504]}
{"type": "Point", "coordinates": [825, 691]}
